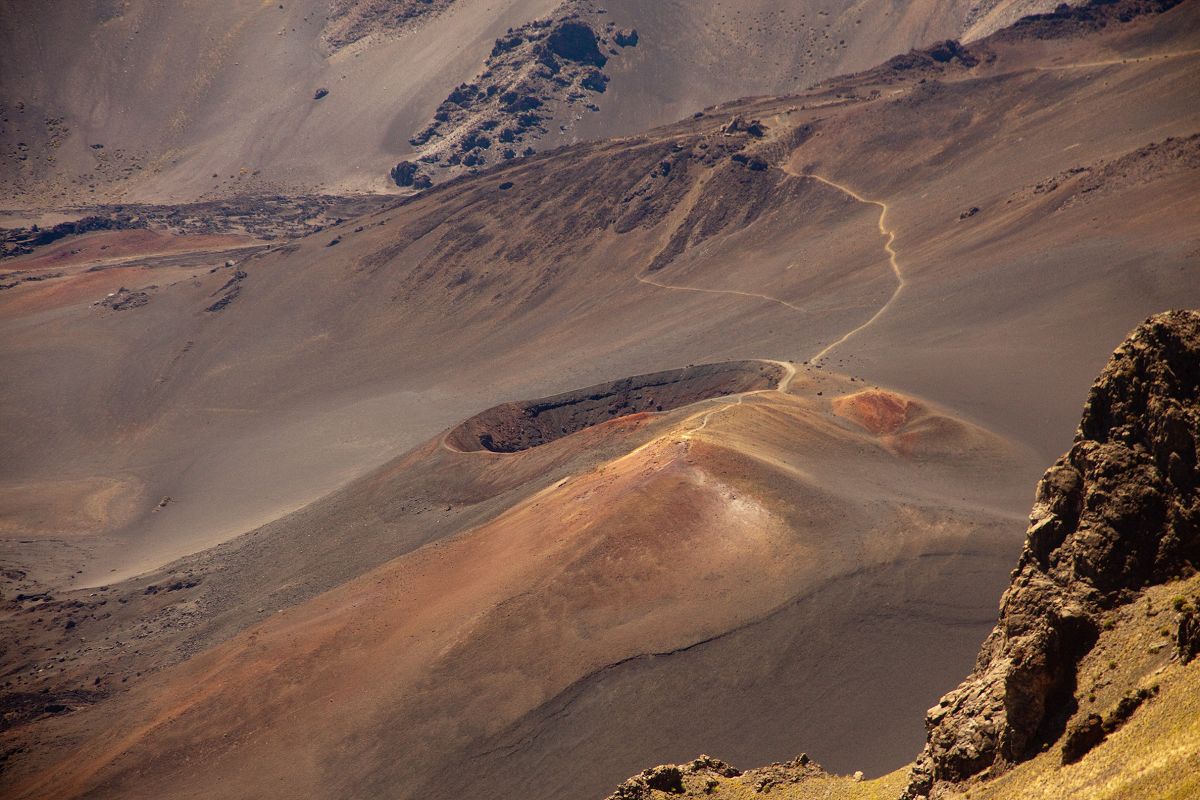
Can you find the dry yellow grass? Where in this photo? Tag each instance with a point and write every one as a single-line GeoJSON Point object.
{"type": "Point", "coordinates": [831, 787]}
{"type": "Point", "coordinates": [1154, 755]}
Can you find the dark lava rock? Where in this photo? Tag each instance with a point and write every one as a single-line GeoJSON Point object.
{"type": "Point", "coordinates": [1120, 511]}
{"type": "Point", "coordinates": [20, 241]}
{"type": "Point", "coordinates": [1068, 19]}
{"type": "Point", "coordinates": [1082, 737]}
{"type": "Point", "coordinates": [951, 50]}
{"type": "Point", "coordinates": [123, 300]}
{"type": "Point", "coordinates": [626, 37]}
{"type": "Point", "coordinates": [595, 80]}
{"type": "Point", "coordinates": [576, 41]}
{"type": "Point", "coordinates": [937, 57]}
{"type": "Point", "coordinates": [739, 125]}
{"type": "Point", "coordinates": [405, 173]}
{"type": "Point", "coordinates": [665, 778]}
{"type": "Point", "coordinates": [319, 93]}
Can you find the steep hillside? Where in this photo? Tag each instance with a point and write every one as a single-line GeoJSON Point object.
{"type": "Point", "coordinates": [1089, 684]}
{"type": "Point", "coordinates": [138, 101]}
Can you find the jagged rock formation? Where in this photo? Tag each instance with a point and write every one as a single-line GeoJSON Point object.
{"type": "Point", "coordinates": [544, 70]}
{"type": "Point", "coordinates": [1120, 511]}
{"type": "Point", "coordinates": [702, 775]}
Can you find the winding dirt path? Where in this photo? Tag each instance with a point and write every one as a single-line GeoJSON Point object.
{"type": "Point", "coordinates": [789, 369]}
{"type": "Point", "coordinates": [893, 263]}
{"type": "Point", "coordinates": [753, 295]}
{"type": "Point", "coordinates": [1117, 61]}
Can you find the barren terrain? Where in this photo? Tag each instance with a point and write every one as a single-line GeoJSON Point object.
{"type": "Point", "coordinates": [713, 437]}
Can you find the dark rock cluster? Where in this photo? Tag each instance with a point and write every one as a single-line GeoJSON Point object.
{"type": "Point", "coordinates": [533, 75]}
{"type": "Point", "coordinates": [1081, 737]}
{"type": "Point", "coordinates": [408, 174]}
{"type": "Point", "coordinates": [670, 778]}
{"type": "Point", "coordinates": [1117, 513]}
{"type": "Point", "coordinates": [947, 53]}
{"type": "Point", "coordinates": [20, 241]}
{"type": "Point", "coordinates": [1071, 19]}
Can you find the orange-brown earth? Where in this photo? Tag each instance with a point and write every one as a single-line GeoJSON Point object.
{"type": "Point", "coordinates": [265, 609]}
{"type": "Point", "coordinates": [757, 525]}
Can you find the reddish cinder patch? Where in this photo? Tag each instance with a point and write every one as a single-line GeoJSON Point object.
{"type": "Point", "coordinates": [108, 246]}
{"type": "Point", "coordinates": [882, 413]}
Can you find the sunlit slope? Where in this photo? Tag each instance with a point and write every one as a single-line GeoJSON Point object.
{"type": "Point", "coordinates": [768, 525]}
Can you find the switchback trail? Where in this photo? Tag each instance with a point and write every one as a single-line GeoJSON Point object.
{"type": "Point", "coordinates": [891, 251]}
{"type": "Point", "coordinates": [893, 263]}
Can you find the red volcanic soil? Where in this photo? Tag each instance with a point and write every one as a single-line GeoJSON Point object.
{"type": "Point", "coordinates": [699, 552]}
{"type": "Point", "coordinates": [84, 269]}
{"type": "Point", "coordinates": [105, 247]}
{"type": "Point", "coordinates": [877, 411]}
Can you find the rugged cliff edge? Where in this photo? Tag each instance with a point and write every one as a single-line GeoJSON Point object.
{"type": "Point", "coordinates": [1117, 513]}
{"type": "Point", "coordinates": [1114, 519]}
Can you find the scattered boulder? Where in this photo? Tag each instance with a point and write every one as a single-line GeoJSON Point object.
{"type": "Point", "coordinates": [952, 50]}
{"type": "Point", "coordinates": [576, 41]}
{"type": "Point", "coordinates": [319, 93]}
{"type": "Point", "coordinates": [408, 174]}
{"type": "Point", "coordinates": [626, 37]}
{"type": "Point", "coordinates": [739, 124]}
{"type": "Point", "coordinates": [1082, 737]}
{"type": "Point", "coordinates": [970, 212]}
{"type": "Point", "coordinates": [124, 299]}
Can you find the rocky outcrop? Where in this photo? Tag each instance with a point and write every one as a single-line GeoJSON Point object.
{"type": "Point", "coordinates": [933, 59]}
{"type": "Point", "coordinates": [704, 774]}
{"type": "Point", "coordinates": [539, 76]}
{"type": "Point", "coordinates": [1120, 511]}
{"type": "Point", "coordinates": [408, 174]}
